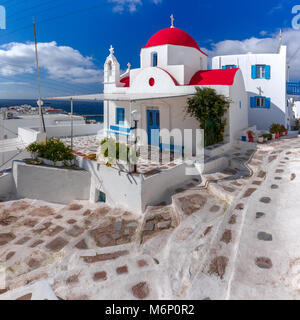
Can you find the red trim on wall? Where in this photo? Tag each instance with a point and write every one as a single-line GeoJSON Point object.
{"type": "Point", "coordinates": [126, 81]}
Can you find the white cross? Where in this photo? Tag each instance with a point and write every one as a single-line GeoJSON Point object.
{"type": "Point", "coordinates": [260, 90]}
{"type": "Point", "coordinates": [129, 65]}
{"type": "Point", "coordinates": [111, 50]}
{"type": "Point", "coordinates": [172, 20]}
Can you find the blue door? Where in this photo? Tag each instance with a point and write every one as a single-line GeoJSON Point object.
{"type": "Point", "coordinates": [153, 124]}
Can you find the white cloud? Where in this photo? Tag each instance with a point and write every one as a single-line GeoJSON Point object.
{"type": "Point", "coordinates": [59, 62]}
{"type": "Point", "coordinates": [129, 5]}
{"type": "Point", "coordinates": [263, 33]}
{"type": "Point", "coordinates": [123, 5]}
{"type": "Point", "coordinates": [276, 8]}
{"type": "Point", "coordinates": [13, 83]}
{"type": "Point", "coordinates": [270, 44]}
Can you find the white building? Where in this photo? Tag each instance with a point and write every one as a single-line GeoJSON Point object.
{"type": "Point", "coordinates": [171, 66]}
{"type": "Point", "coordinates": [265, 77]}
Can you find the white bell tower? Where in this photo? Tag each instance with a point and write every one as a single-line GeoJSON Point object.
{"type": "Point", "coordinates": [111, 72]}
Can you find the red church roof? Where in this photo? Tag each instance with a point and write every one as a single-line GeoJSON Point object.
{"type": "Point", "coordinates": [223, 77]}
{"type": "Point", "coordinates": [173, 36]}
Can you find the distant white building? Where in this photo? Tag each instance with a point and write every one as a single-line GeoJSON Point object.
{"type": "Point", "coordinates": [265, 77]}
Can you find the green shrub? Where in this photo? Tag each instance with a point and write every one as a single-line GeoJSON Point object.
{"type": "Point", "coordinates": [275, 128]}
{"type": "Point", "coordinates": [209, 108]}
{"type": "Point", "coordinates": [113, 150]}
{"type": "Point", "coordinates": [53, 149]}
{"type": "Point", "coordinates": [267, 136]}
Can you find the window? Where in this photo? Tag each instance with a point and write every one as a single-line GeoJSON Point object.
{"type": "Point", "coordinates": [261, 71]}
{"type": "Point", "coordinates": [109, 69]}
{"type": "Point", "coordinates": [154, 59]}
{"type": "Point", "coordinates": [102, 197]}
{"type": "Point", "coordinates": [260, 102]}
{"type": "Point", "coordinates": [120, 116]}
{"type": "Point", "coordinates": [230, 66]}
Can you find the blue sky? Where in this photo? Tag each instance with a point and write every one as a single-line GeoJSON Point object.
{"type": "Point", "coordinates": [75, 36]}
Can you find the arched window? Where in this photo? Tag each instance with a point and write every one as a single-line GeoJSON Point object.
{"type": "Point", "coordinates": [154, 59]}
{"type": "Point", "coordinates": [109, 69]}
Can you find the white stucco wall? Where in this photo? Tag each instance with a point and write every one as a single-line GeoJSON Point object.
{"type": "Point", "coordinates": [33, 121]}
{"type": "Point", "coordinates": [160, 187]}
{"type": "Point", "coordinates": [51, 184]}
{"type": "Point", "coordinates": [6, 185]}
{"type": "Point", "coordinates": [238, 111]}
{"type": "Point", "coordinates": [275, 87]}
{"type": "Point", "coordinates": [297, 109]}
{"type": "Point", "coordinates": [121, 189]}
{"type": "Point", "coordinates": [78, 130]}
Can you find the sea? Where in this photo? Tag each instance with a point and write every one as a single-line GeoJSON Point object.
{"type": "Point", "coordinates": [92, 109]}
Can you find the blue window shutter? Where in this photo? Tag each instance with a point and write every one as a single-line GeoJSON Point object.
{"type": "Point", "coordinates": [224, 67]}
{"type": "Point", "coordinates": [253, 102]}
{"type": "Point", "coordinates": [268, 72]}
{"type": "Point", "coordinates": [117, 116]}
{"type": "Point", "coordinates": [268, 103]}
{"type": "Point", "coordinates": [253, 72]}
{"type": "Point", "coordinates": [120, 115]}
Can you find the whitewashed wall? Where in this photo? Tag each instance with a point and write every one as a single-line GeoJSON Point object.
{"type": "Point", "coordinates": [78, 130]}
{"type": "Point", "coordinates": [51, 184]}
{"type": "Point", "coordinates": [275, 87]}
{"type": "Point", "coordinates": [297, 109]}
{"type": "Point", "coordinates": [29, 121]}
{"type": "Point", "coordinates": [121, 188]}
{"type": "Point", "coordinates": [238, 111]}
{"type": "Point", "coordinates": [6, 185]}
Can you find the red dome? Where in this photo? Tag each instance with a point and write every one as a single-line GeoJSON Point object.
{"type": "Point", "coordinates": [173, 36]}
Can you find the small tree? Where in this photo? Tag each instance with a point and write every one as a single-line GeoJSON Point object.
{"type": "Point", "coordinates": [209, 109]}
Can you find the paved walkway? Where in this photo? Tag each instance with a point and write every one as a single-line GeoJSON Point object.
{"type": "Point", "coordinates": [233, 236]}
{"type": "Point", "coordinates": [268, 257]}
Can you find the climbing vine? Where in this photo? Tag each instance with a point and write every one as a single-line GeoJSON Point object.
{"type": "Point", "coordinates": [209, 109]}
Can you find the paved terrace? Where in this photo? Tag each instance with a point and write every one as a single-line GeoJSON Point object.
{"type": "Point", "coordinates": [232, 236]}
{"type": "Point", "coordinates": [150, 159]}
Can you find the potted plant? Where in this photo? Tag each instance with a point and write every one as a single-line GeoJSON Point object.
{"type": "Point", "coordinates": [282, 130]}
{"type": "Point", "coordinates": [274, 130]}
{"type": "Point", "coordinates": [52, 152]}
{"type": "Point", "coordinates": [267, 136]}
{"type": "Point", "coordinates": [250, 136]}
{"type": "Point", "coordinates": [260, 139]}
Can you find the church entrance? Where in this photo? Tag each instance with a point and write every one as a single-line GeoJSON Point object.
{"type": "Point", "coordinates": [153, 127]}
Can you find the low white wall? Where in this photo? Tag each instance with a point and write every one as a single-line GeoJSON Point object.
{"type": "Point", "coordinates": [159, 187]}
{"type": "Point", "coordinates": [27, 135]}
{"type": "Point", "coordinates": [6, 185]}
{"type": "Point", "coordinates": [121, 189]}
{"type": "Point", "coordinates": [51, 184]}
{"type": "Point", "coordinates": [6, 158]}
{"type": "Point", "coordinates": [78, 130]}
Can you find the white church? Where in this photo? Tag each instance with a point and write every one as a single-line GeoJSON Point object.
{"type": "Point", "coordinates": [171, 66]}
